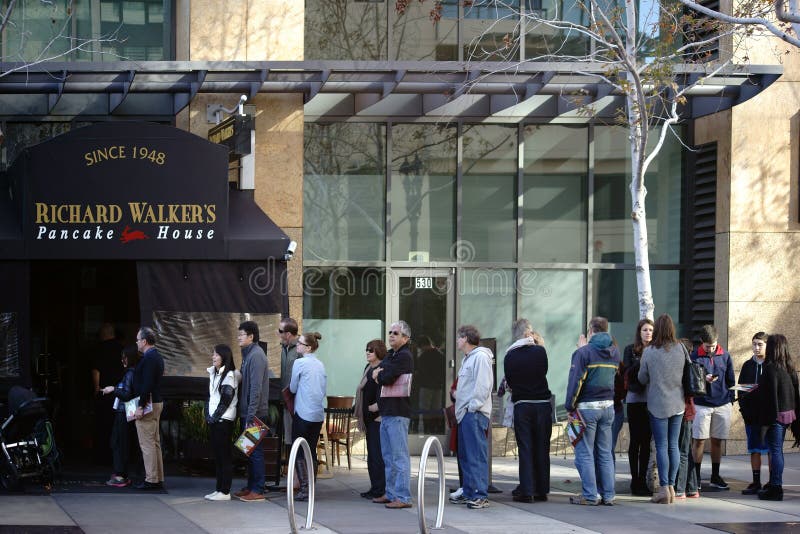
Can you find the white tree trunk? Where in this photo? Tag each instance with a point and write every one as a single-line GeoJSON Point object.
{"type": "Point", "coordinates": [638, 130]}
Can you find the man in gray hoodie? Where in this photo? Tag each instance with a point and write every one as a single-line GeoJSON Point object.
{"type": "Point", "coordinates": [473, 410]}
{"type": "Point", "coordinates": [253, 402]}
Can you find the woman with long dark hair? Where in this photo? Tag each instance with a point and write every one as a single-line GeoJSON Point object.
{"type": "Point", "coordinates": [123, 392]}
{"type": "Point", "coordinates": [636, 399]}
{"type": "Point", "coordinates": [369, 420]}
{"type": "Point", "coordinates": [222, 401]}
{"type": "Point", "coordinates": [662, 370]}
{"type": "Point", "coordinates": [778, 401]}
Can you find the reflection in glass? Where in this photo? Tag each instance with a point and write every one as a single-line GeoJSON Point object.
{"type": "Point", "coordinates": [554, 202]}
{"type": "Point", "coordinates": [491, 30]}
{"type": "Point", "coordinates": [346, 305]}
{"type": "Point", "coordinates": [488, 224]}
{"type": "Point", "coordinates": [613, 230]}
{"type": "Point", "coordinates": [343, 191]}
{"type": "Point", "coordinates": [553, 301]}
{"type": "Point", "coordinates": [423, 192]}
{"type": "Point", "coordinates": [616, 298]}
{"type": "Point", "coordinates": [9, 345]}
{"type": "Point", "coordinates": [416, 37]}
{"type": "Point", "coordinates": [543, 42]}
{"type": "Point", "coordinates": [343, 29]}
{"type": "Point", "coordinates": [487, 300]}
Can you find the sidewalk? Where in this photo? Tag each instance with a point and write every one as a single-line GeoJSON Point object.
{"type": "Point", "coordinates": [339, 508]}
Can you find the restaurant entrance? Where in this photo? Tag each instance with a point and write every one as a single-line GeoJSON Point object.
{"type": "Point", "coordinates": [70, 302]}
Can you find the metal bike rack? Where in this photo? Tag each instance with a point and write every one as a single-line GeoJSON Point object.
{"type": "Point", "coordinates": [423, 461]}
{"type": "Point", "coordinates": [300, 442]}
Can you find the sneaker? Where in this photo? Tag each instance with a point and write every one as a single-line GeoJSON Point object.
{"type": "Point", "coordinates": [581, 500]}
{"type": "Point", "coordinates": [208, 497]}
{"type": "Point", "coordinates": [752, 489]}
{"type": "Point", "coordinates": [717, 482]}
{"type": "Point", "coordinates": [457, 493]}
{"type": "Point", "coordinates": [459, 500]}
{"type": "Point", "coordinates": [118, 482]}
{"type": "Point", "coordinates": [680, 496]}
{"type": "Point", "coordinates": [476, 504]}
{"type": "Point", "coordinates": [607, 503]}
{"type": "Point", "coordinates": [252, 497]}
{"type": "Point", "coordinates": [219, 496]}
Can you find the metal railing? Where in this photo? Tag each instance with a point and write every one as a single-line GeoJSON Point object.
{"type": "Point", "coordinates": [423, 461]}
{"type": "Point", "coordinates": [300, 442]}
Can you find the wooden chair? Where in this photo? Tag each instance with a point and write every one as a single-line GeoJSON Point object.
{"type": "Point", "coordinates": [338, 415]}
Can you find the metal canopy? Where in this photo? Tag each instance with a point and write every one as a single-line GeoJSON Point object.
{"type": "Point", "coordinates": [352, 89]}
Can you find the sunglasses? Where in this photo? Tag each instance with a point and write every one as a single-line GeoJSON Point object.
{"type": "Point", "coordinates": [281, 331]}
{"type": "Point", "coordinates": [395, 333]}
{"type": "Point", "coordinates": [371, 351]}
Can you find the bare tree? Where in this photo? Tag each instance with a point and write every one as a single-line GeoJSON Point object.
{"type": "Point", "coordinates": [635, 52]}
{"type": "Point", "coordinates": [772, 17]}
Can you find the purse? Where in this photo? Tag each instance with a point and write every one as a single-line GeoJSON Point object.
{"type": "Point", "coordinates": [400, 388]}
{"type": "Point", "coordinates": [694, 378]}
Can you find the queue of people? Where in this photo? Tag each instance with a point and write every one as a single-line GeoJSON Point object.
{"type": "Point", "coordinates": [649, 378]}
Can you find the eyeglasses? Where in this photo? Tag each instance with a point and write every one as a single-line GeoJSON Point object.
{"type": "Point", "coordinates": [281, 331]}
{"type": "Point", "coordinates": [138, 340]}
{"type": "Point", "coordinates": [371, 351]}
{"type": "Point", "coordinates": [395, 333]}
{"type": "Point", "coordinates": [301, 343]}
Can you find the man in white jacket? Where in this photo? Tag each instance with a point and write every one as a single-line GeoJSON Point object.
{"type": "Point", "coordinates": [473, 409]}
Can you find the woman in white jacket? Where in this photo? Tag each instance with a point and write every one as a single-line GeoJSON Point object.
{"type": "Point", "coordinates": [223, 382]}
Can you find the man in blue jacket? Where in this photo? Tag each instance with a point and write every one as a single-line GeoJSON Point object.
{"type": "Point", "coordinates": [590, 391]}
{"type": "Point", "coordinates": [713, 416]}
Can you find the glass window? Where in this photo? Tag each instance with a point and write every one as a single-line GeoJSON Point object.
{"type": "Point", "coordinates": [9, 345]}
{"type": "Point", "coordinates": [613, 230]}
{"type": "Point", "coordinates": [616, 298]}
{"type": "Point", "coordinates": [346, 306]}
{"type": "Point", "coordinates": [554, 201]}
{"type": "Point", "coordinates": [488, 222]}
{"type": "Point", "coordinates": [187, 339]}
{"type": "Point", "coordinates": [553, 301]}
{"type": "Point", "coordinates": [416, 37]}
{"type": "Point", "coordinates": [343, 29]}
{"type": "Point", "coordinates": [423, 192]}
{"type": "Point", "coordinates": [543, 42]}
{"type": "Point", "coordinates": [491, 30]}
{"type": "Point", "coordinates": [105, 30]}
{"type": "Point", "coordinates": [487, 300]}
{"type": "Point", "coordinates": [344, 192]}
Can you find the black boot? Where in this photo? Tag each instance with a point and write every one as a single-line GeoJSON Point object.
{"type": "Point", "coordinates": [771, 493]}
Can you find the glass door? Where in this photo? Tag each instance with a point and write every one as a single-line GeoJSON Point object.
{"type": "Point", "coordinates": [424, 299]}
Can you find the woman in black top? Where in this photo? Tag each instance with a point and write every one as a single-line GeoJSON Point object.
{"type": "Point", "coordinates": [778, 399]}
{"type": "Point", "coordinates": [638, 418]}
{"type": "Point", "coordinates": [369, 420]}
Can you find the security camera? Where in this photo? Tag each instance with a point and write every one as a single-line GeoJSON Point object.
{"type": "Point", "coordinates": [290, 250]}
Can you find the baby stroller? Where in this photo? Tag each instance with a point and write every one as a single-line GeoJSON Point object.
{"type": "Point", "coordinates": [28, 451]}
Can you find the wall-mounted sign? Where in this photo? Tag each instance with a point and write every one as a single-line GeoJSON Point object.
{"type": "Point", "coordinates": [234, 133]}
{"type": "Point", "coordinates": [424, 282]}
{"type": "Point", "coordinates": [125, 190]}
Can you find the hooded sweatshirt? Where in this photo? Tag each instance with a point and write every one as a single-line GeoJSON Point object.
{"type": "Point", "coordinates": [591, 376]}
{"type": "Point", "coordinates": [475, 380]}
{"type": "Point", "coordinates": [721, 365]}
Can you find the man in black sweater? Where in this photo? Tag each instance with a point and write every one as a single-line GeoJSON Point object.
{"type": "Point", "coordinates": [147, 382]}
{"type": "Point", "coordinates": [525, 366]}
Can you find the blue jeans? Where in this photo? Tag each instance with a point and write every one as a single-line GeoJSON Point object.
{"type": "Point", "coordinates": [255, 468]}
{"type": "Point", "coordinates": [473, 454]}
{"type": "Point", "coordinates": [686, 481]}
{"type": "Point", "coordinates": [593, 451]}
{"type": "Point", "coordinates": [666, 432]}
{"type": "Point", "coordinates": [394, 446]}
{"type": "Point", "coordinates": [776, 433]}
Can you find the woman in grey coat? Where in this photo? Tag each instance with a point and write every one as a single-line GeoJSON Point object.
{"type": "Point", "coordinates": [662, 369]}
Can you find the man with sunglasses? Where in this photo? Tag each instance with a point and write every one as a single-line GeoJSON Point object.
{"type": "Point", "coordinates": [287, 332]}
{"type": "Point", "coordinates": [394, 405]}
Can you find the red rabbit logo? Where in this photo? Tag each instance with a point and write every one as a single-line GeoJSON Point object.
{"type": "Point", "coordinates": [128, 235]}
